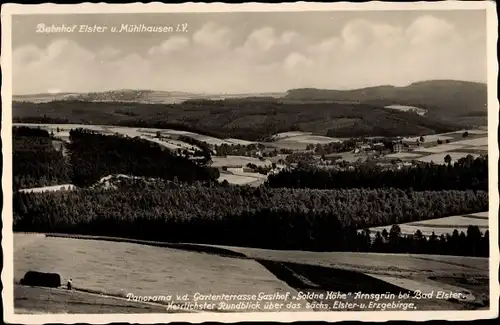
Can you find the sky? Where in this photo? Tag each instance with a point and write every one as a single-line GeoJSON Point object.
{"type": "Point", "coordinates": [250, 52]}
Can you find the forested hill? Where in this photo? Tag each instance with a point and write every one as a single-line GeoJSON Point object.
{"type": "Point", "coordinates": [248, 119]}
{"type": "Point", "coordinates": [92, 156]}
{"type": "Point", "coordinates": [439, 97]}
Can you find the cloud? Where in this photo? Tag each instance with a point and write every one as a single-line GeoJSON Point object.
{"type": "Point", "coordinates": [430, 30]}
{"type": "Point", "coordinates": [108, 53]}
{"type": "Point", "coordinates": [296, 61]}
{"type": "Point", "coordinates": [213, 37]}
{"type": "Point", "coordinates": [216, 58]}
{"type": "Point", "coordinates": [171, 45]}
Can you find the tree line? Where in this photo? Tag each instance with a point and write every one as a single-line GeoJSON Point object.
{"type": "Point", "coordinates": [466, 173]}
{"type": "Point", "coordinates": [35, 160]}
{"type": "Point", "coordinates": [225, 149]}
{"type": "Point", "coordinates": [305, 219]}
{"type": "Point", "coordinates": [470, 243]}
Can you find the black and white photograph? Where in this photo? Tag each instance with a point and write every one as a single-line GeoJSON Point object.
{"type": "Point", "coordinates": [249, 162]}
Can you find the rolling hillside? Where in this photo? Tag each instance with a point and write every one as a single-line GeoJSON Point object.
{"type": "Point", "coordinates": [247, 119]}
{"type": "Point", "coordinates": [440, 97]}
{"type": "Point", "coordinates": [448, 106]}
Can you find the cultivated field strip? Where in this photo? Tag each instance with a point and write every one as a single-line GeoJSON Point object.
{"type": "Point", "coordinates": [440, 226]}
{"type": "Point", "coordinates": [438, 158]}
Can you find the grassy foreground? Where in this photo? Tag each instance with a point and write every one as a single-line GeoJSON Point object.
{"type": "Point", "coordinates": [146, 270]}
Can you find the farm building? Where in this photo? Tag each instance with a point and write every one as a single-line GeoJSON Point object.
{"type": "Point", "coordinates": [411, 141]}
{"type": "Point", "coordinates": [411, 144]}
{"type": "Point", "coordinates": [397, 147]}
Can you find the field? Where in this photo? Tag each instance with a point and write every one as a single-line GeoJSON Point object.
{"type": "Point", "coordinates": [298, 140]}
{"type": "Point", "coordinates": [239, 141]}
{"type": "Point", "coordinates": [419, 111]}
{"type": "Point", "coordinates": [376, 263]}
{"type": "Point", "coordinates": [454, 136]}
{"type": "Point", "coordinates": [402, 155]}
{"type": "Point", "coordinates": [237, 179]}
{"type": "Point", "coordinates": [442, 225]}
{"type": "Point", "coordinates": [229, 161]}
{"type": "Point", "coordinates": [429, 138]}
{"type": "Point", "coordinates": [285, 135]}
{"type": "Point", "coordinates": [476, 149]}
{"type": "Point", "coordinates": [39, 300]}
{"type": "Point", "coordinates": [441, 148]}
{"type": "Point", "coordinates": [312, 139]}
{"type": "Point", "coordinates": [474, 132]}
{"type": "Point", "coordinates": [116, 268]}
{"type": "Point", "coordinates": [145, 133]}
{"type": "Point", "coordinates": [242, 178]}
{"type": "Point", "coordinates": [210, 140]}
{"type": "Point", "coordinates": [149, 270]}
{"type": "Point", "coordinates": [49, 188]}
{"type": "Point", "coordinates": [286, 144]}
{"type": "Point", "coordinates": [473, 142]}
{"type": "Point", "coordinates": [171, 143]}
{"type": "Point", "coordinates": [438, 158]}
{"type": "Point", "coordinates": [458, 147]}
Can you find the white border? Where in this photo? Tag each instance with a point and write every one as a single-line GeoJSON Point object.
{"type": "Point", "coordinates": [7, 242]}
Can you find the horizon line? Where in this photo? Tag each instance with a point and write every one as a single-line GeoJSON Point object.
{"type": "Point", "coordinates": [243, 93]}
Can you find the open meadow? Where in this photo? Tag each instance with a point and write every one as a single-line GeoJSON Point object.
{"type": "Point", "coordinates": [438, 158]}
{"type": "Point", "coordinates": [242, 178]}
{"type": "Point", "coordinates": [429, 138]}
{"type": "Point", "coordinates": [171, 143]}
{"type": "Point", "coordinates": [61, 187]}
{"type": "Point", "coordinates": [440, 226]}
{"type": "Point", "coordinates": [116, 269]}
{"type": "Point", "coordinates": [296, 140]}
{"type": "Point", "coordinates": [145, 133]}
{"type": "Point", "coordinates": [231, 161]}
{"type": "Point", "coordinates": [401, 155]}
{"type": "Point", "coordinates": [473, 142]}
{"type": "Point", "coordinates": [441, 148]}
{"type": "Point", "coordinates": [404, 108]}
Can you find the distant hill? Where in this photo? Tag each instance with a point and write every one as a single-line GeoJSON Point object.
{"type": "Point", "coordinates": [443, 98]}
{"type": "Point", "coordinates": [42, 98]}
{"type": "Point", "coordinates": [445, 105]}
{"type": "Point", "coordinates": [248, 119]}
{"type": "Point", "coordinates": [136, 96]}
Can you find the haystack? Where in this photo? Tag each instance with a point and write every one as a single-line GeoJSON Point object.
{"type": "Point", "coordinates": [40, 279]}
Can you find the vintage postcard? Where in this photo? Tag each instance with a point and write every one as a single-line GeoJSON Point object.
{"type": "Point", "coordinates": [217, 162]}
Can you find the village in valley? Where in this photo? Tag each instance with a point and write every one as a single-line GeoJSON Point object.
{"type": "Point", "coordinates": [243, 162]}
